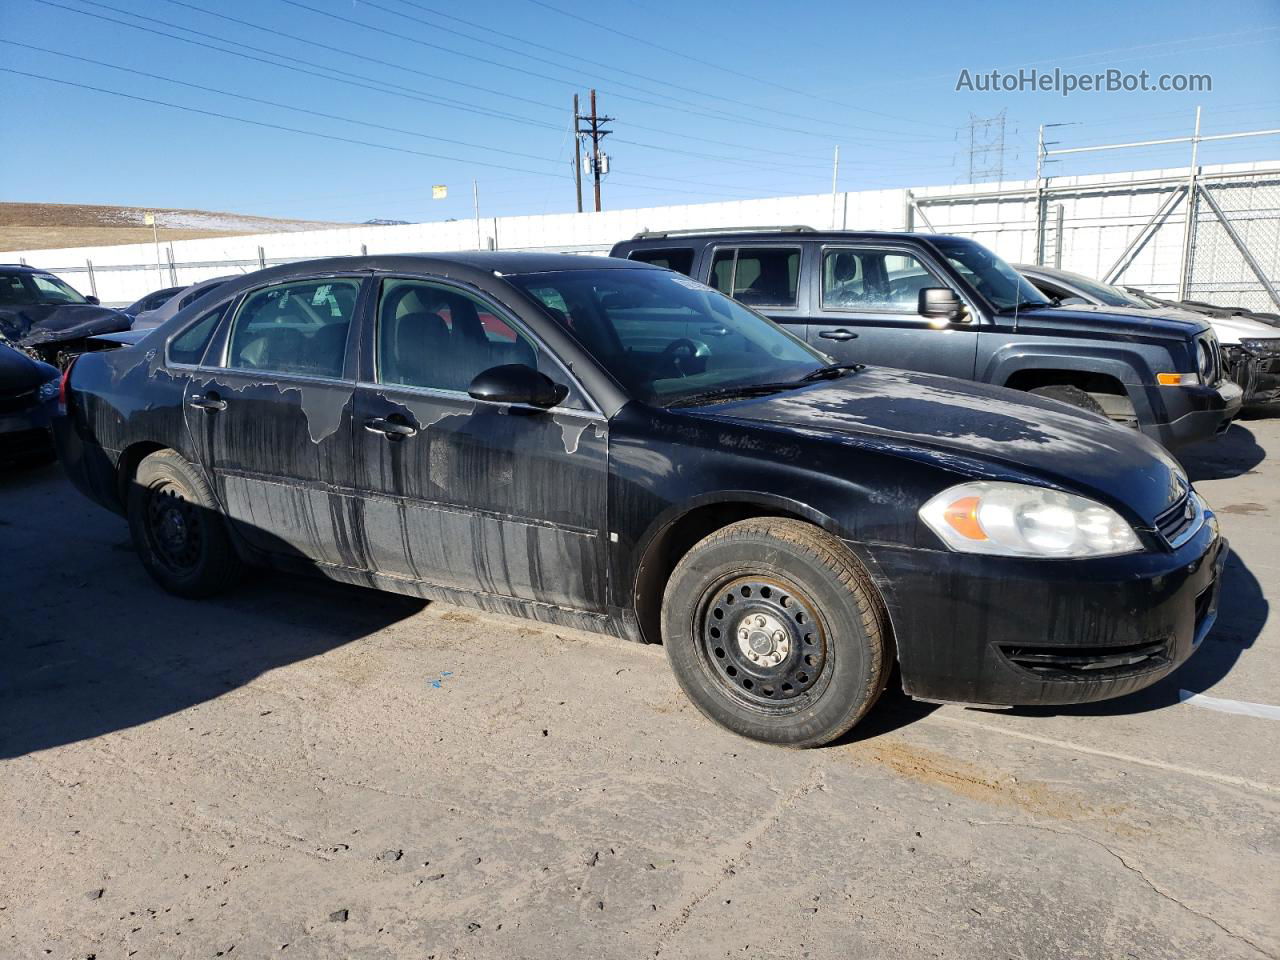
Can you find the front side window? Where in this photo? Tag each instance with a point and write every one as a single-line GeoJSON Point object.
{"type": "Point", "coordinates": [663, 336]}
{"type": "Point", "coordinates": [757, 276]}
{"type": "Point", "coordinates": [435, 336]}
{"type": "Point", "coordinates": [885, 281]}
{"type": "Point", "coordinates": [299, 327]}
{"type": "Point", "coordinates": [679, 260]}
{"type": "Point", "coordinates": [21, 288]}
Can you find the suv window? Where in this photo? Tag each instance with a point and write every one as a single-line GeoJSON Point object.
{"type": "Point", "coordinates": [429, 335]}
{"type": "Point", "coordinates": [299, 327]}
{"type": "Point", "coordinates": [758, 276]}
{"type": "Point", "coordinates": [882, 280]}
{"type": "Point", "coordinates": [681, 261]}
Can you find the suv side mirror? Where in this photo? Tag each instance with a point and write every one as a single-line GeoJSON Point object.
{"type": "Point", "coordinates": [94, 300]}
{"type": "Point", "coordinates": [517, 383]}
{"type": "Point", "coordinates": [940, 303]}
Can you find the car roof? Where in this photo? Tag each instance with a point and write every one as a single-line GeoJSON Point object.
{"type": "Point", "coordinates": [765, 235]}
{"type": "Point", "coordinates": [502, 262]}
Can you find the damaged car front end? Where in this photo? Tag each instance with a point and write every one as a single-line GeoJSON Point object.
{"type": "Point", "coordinates": [48, 319]}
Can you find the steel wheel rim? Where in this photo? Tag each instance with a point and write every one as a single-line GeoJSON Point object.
{"type": "Point", "coordinates": [173, 528]}
{"type": "Point", "coordinates": [779, 662]}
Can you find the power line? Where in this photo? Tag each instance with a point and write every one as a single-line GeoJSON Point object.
{"type": "Point", "coordinates": [728, 70]}
{"type": "Point", "coordinates": [685, 90]}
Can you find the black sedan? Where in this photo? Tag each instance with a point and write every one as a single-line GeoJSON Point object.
{"type": "Point", "coordinates": [152, 301]}
{"type": "Point", "coordinates": [609, 445]}
{"type": "Point", "coordinates": [28, 405]}
{"type": "Point", "coordinates": [48, 318]}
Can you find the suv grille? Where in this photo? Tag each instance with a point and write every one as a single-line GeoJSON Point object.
{"type": "Point", "coordinates": [1179, 521]}
{"type": "Point", "coordinates": [1088, 663]}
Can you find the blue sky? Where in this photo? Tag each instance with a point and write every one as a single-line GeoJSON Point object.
{"type": "Point", "coordinates": [713, 100]}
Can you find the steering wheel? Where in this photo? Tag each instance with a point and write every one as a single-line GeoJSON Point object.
{"type": "Point", "coordinates": [678, 352]}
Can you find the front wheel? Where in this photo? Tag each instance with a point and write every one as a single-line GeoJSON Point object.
{"type": "Point", "coordinates": [177, 530]}
{"type": "Point", "coordinates": [776, 632]}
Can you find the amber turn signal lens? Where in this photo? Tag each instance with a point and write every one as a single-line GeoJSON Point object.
{"type": "Point", "coordinates": [1177, 379]}
{"type": "Point", "coordinates": [962, 515]}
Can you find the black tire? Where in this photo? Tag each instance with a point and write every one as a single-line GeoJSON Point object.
{"type": "Point", "coordinates": [177, 530]}
{"type": "Point", "coordinates": [834, 656]}
{"type": "Point", "coordinates": [1076, 397]}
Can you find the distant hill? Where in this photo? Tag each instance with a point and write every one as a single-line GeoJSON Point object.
{"type": "Point", "coordinates": [40, 226]}
{"type": "Point", "coordinates": [386, 223]}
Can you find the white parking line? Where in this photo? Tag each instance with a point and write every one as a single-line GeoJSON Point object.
{"type": "Point", "coordinates": [1239, 707]}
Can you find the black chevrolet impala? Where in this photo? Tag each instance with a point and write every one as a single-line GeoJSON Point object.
{"type": "Point", "coordinates": [609, 445]}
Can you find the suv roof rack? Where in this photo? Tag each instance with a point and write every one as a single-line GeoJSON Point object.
{"type": "Point", "coordinates": [702, 231]}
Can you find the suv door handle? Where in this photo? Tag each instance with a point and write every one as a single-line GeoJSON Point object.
{"type": "Point", "coordinates": [841, 334]}
{"type": "Point", "coordinates": [714, 331]}
{"type": "Point", "coordinates": [389, 428]}
{"type": "Point", "coordinates": [209, 402]}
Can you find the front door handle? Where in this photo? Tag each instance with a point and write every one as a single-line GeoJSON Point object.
{"type": "Point", "coordinates": [209, 402]}
{"type": "Point", "coordinates": [841, 334]}
{"type": "Point", "coordinates": [720, 331]}
{"type": "Point", "coordinates": [389, 428]}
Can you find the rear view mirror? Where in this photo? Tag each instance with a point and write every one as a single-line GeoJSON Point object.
{"type": "Point", "coordinates": [940, 303]}
{"type": "Point", "coordinates": [517, 383]}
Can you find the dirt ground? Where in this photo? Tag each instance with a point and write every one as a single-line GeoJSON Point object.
{"type": "Point", "coordinates": [44, 226]}
{"type": "Point", "coordinates": [305, 770]}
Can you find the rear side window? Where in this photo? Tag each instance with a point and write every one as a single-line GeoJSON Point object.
{"type": "Point", "coordinates": [189, 346]}
{"type": "Point", "coordinates": [298, 327]}
{"type": "Point", "coordinates": [681, 260]}
{"type": "Point", "coordinates": [758, 276]}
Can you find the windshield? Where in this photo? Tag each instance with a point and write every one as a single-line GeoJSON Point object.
{"type": "Point", "coordinates": [26, 289]}
{"type": "Point", "coordinates": [1003, 286]}
{"type": "Point", "coordinates": [665, 337]}
{"type": "Point", "coordinates": [1105, 293]}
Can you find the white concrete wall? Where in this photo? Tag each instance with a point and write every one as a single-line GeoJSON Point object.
{"type": "Point", "coordinates": [1098, 227]}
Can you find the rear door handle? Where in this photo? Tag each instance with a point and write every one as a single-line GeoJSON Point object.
{"type": "Point", "coordinates": [210, 402]}
{"type": "Point", "coordinates": [841, 334]}
{"type": "Point", "coordinates": [389, 428]}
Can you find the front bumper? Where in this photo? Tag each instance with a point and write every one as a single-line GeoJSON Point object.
{"type": "Point", "coordinates": [996, 630]}
{"type": "Point", "coordinates": [1195, 413]}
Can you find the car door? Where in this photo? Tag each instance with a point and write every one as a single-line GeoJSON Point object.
{"type": "Point", "coordinates": [867, 312]}
{"type": "Point", "coordinates": [495, 498]}
{"type": "Point", "coordinates": [269, 412]}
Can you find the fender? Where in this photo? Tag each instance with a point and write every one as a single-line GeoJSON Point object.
{"type": "Point", "coordinates": [1131, 367]}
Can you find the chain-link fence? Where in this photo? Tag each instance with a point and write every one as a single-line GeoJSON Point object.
{"type": "Point", "coordinates": [1235, 246]}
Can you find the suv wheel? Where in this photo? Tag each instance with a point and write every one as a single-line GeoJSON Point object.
{"type": "Point", "coordinates": [1065, 393]}
{"type": "Point", "coordinates": [177, 529]}
{"type": "Point", "coordinates": [774, 631]}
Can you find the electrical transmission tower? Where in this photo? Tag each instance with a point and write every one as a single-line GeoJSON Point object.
{"type": "Point", "coordinates": [986, 147]}
{"type": "Point", "coordinates": [597, 162]}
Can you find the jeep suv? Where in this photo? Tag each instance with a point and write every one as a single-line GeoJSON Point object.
{"type": "Point", "coordinates": [948, 305]}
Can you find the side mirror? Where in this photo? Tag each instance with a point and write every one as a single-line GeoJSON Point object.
{"type": "Point", "coordinates": [94, 300]}
{"type": "Point", "coordinates": [517, 383]}
{"type": "Point", "coordinates": [940, 303]}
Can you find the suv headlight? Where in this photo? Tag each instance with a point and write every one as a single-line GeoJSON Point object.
{"type": "Point", "coordinates": [1020, 520]}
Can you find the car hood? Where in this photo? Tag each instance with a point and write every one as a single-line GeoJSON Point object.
{"type": "Point", "coordinates": [1113, 321]}
{"type": "Point", "coordinates": [977, 429]}
{"type": "Point", "coordinates": [1236, 328]}
{"type": "Point", "coordinates": [53, 323]}
{"type": "Point", "coordinates": [20, 373]}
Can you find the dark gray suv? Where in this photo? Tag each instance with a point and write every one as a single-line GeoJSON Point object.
{"type": "Point", "coordinates": [948, 305]}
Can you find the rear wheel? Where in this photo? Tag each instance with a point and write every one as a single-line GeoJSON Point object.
{"type": "Point", "coordinates": [775, 632]}
{"type": "Point", "coordinates": [177, 530]}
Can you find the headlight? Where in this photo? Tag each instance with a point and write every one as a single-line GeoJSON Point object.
{"type": "Point", "coordinates": [48, 390]}
{"type": "Point", "coordinates": [1020, 520]}
{"type": "Point", "coordinates": [1205, 353]}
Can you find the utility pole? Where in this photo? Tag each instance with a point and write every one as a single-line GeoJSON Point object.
{"type": "Point", "coordinates": [1189, 229]}
{"type": "Point", "coordinates": [596, 131]}
{"type": "Point", "coordinates": [835, 177]}
{"type": "Point", "coordinates": [577, 154]}
{"type": "Point", "coordinates": [986, 147]}
{"type": "Point", "coordinates": [475, 199]}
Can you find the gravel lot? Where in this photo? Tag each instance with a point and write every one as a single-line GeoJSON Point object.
{"type": "Point", "coordinates": [306, 770]}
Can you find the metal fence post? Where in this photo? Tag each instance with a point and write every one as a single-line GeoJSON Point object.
{"type": "Point", "coordinates": [262, 259]}
{"type": "Point", "coordinates": [1057, 235]}
{"type": "Point", "coordinates": [364, 250]}
{"type": "Point", "coordinates": [93, 282]}
{"type": "Point", "coordinates": [173, 270]}
{"type": "Point", "coordinates": [1188, 232]}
